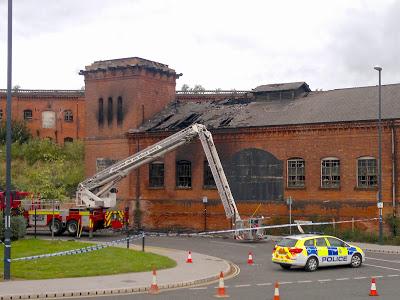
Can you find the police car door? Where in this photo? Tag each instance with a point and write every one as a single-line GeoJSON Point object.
{"type": "Point", "coordinates": [322, 251]}
{"type": "Point", "coordinates": [338, 251]}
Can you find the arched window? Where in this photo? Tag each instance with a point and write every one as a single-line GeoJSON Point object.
{"type": "Point", "coordinates": [68, 116]}
{"type": "Point", "coordinates": [208, 176]}
{"type": "Point", "coordinates": [101, 112]}
{"type": "Point", "coordinates": [27, 114]}
{"type": "Point", "coordinates": [296, 172]}
{"type": "Point", "coordinates": [120, 115]}
{"type": "Point", "coordinates": [330, 172]}
{"type": "Point", "coordinates": [156, 174]}
{"type": "Point", "coordinates": [110, 111]}
{"type": "Point", "coordinates": [68, 140]}
{"type": "Point", "coordinates": [366, 172]}
{"type": "Point", "coordinates": [183, 174]}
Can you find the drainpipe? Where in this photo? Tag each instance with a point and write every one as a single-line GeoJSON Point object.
{"type": "Point", "coordinates": [394, 167]}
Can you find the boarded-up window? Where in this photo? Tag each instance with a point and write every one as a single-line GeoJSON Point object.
{"type": "Point", "coordinates": [330, 173]}
{"type": "Point", "coordinates": [366, 172]}
{"type": "Point", "coordinates": [103, 163]}
{"type": "Point", "coordinates": [183, 174]}
{"type": "Point", "coordinates": [120, 114]}
{"type": "Point", "coordinates": [156, 174]}
{"type": "Point", "coordinates": [296, 172]}
{"type": "Point", "coordinates": [101, 112]}
{"type": "Point", "coordinates": [48, 119]}
{"type": "Point", "coordinates": [208, 176]}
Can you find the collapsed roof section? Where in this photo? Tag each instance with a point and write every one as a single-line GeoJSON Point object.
{"type": "Point", "coordinates": [341, 105]}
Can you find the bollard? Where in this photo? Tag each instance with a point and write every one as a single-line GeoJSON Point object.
{"type": "Point", "coordinates": [143, 243]}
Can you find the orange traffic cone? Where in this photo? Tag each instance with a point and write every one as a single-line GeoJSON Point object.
{"type": "Point", "coordinates": [250, 259]}
{"type": "Point", "coordinates": [373, 291]}
{"type": "Point", "coordinates": [154, 287]}
{"type": "Point", "coordinates": [221, 287]}
{"type": "Point", "coordinates": [189, 258]}
{"type": "Point", "coordinates": [276, 292]}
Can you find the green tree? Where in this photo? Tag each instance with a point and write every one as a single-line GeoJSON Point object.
{"type": "Point", "coordinates": [20, 132]}
{"type": "Point", "coordinates": [185, 88]}
{"type": "Point", "coordinates": [198, 88]}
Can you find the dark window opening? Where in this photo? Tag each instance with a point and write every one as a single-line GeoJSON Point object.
{"type": "Point", "coordinates": [366, 173]}
{"type": "Point", "coordinates": [225, 122]}
{"type": "Point", "coordinates": [27, 114]}
{"type": "Point", "coordinates": [208, 176]}
{"type": "Point", "coordinates": [296, 172]}
{"type": "Point", "coordinates": [156, 174]}
{"type": "Point", "coordinates": [188, 121]}
{"type": "Point", "coordinates": [183, 174]}
{"type": "Point", "coordinates": [120, 115]}
{"type": "Point", "coordinates": [101, 112]}
{"type": "Point", "coordinates": [330, 173]}
{"type": "Point", "coordinates": [110, 111]}
{"type": "Point", "coordinates": [68, 140]}
{"type": "Point", "coordinates": [68, 116]}
{"type": "Point", "coordinates": [1, 114]}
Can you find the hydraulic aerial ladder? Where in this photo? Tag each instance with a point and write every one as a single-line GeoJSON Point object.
{"type": "Point", "coordinates": [100, 189]}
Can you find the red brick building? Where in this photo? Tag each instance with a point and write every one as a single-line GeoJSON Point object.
{"type": "Point", "coordinates": [54, 114]}
{"type": "Point", "coordinates": [276, 141]}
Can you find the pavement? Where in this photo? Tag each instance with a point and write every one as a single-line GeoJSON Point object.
{"type": "Point", "coordinates": [205, 269]}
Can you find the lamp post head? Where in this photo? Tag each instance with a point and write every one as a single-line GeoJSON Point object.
{"type": "Point", "coordinates": [378, 68]}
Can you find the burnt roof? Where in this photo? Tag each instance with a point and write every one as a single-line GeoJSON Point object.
{"type": "Point", "coordinates": [339, 105]}
{"type": "Point", "coordinates": [280, 87]}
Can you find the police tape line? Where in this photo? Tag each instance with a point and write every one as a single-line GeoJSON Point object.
{"type": "Point", "coordinates": [205, 233]}
{"type": "Point", "coordinates": [80, 250]}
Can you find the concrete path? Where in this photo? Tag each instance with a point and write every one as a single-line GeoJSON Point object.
{"type": "Point", "coordinates": [204, 269]}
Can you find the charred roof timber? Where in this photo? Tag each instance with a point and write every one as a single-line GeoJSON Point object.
{"type": "Point", "coordinates": [279, 91]}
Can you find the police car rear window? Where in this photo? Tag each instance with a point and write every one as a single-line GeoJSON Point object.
{"type": "Point", "coordinates": [287, 243]}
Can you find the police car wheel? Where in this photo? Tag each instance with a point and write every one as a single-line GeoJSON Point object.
{"type": "Point", "coordinates": [285, 266]}
{"type": "Point", "coordinates": [311, 264]}
{"type": "Point", "coordinates": [356, 261]}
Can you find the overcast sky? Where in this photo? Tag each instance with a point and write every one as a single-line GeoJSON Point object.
{"type": "Point", "coordinates": [227, 44]}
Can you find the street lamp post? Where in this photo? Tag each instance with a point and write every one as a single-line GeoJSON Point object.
{"type": "Point", "coordinates": [380, 203]}
{"type": "Point", "coordinates": [205, 201]}
{"type": "Point", "coordinates": [289, 202]}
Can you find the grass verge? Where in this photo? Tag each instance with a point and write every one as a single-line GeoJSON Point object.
{"type": "Point", "coordinates": [107, 261]}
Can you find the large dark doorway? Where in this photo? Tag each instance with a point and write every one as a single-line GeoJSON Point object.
{"type": "Point", "coordinates": [254, 174]}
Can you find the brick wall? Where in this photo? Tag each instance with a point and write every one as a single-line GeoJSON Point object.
{"type": "Point", "coordinates": [183, 208]}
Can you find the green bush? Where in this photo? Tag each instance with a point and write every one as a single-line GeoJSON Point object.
{"type": "Point", "coordinates": [18, 227]}
{"type": "Point", "coordinates": [394, 223]}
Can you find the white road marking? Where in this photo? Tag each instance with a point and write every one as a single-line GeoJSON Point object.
{"type": "Point", "coordinates": [199, 288]}
{"type": "Point", "coordinates": [377, 276]}
{"type": "Point", "coordinates": [324, 280]}
{"type": "Point", "coordinates": [242, 285]}
{"type": "Point", "coordinates": [394, 275]}
{"type": "Point", "coordinates": [285, 282]}
{"type": "Point", "coordinates": [391, 261]}
{"type": "Point", "coordinates": [362, 277]}
{"type": "Point", "coordinates": [263, 284]}
{"type": "Point", "coordinates": [381, 267]}
{"type": "Point", "coordinates": [339, 279]}
{"type": "Point", "coordinates": [304, 281]}
{"type": "Point", "coordinates": [234, 245]}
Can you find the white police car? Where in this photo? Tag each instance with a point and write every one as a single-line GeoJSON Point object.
{"type": "Point", "coordinates": [312, 251]}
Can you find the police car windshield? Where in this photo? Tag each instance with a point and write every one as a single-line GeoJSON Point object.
{"type": "Point", "coordinates": [287, 243]}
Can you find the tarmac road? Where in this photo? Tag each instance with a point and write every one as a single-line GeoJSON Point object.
{"type": "Point", "coordinates": [257, 281]}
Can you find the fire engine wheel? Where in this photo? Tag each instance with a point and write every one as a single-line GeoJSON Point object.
{"type": "Point", "coordinates": [72, 227]}
{"type": "Point", "coordinates": [56, 227]}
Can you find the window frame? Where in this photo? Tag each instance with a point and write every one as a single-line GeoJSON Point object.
{"type": "Point", "coordinates": [153, 179]}
{"type": "Point", "coordinates": [179, 165]}
{"type": "Point", "coordinates": [297, 174]}
{"type": "Point", "coordinates": [331, 183]}
{"type": "Point", "coordinates": [367, 180]}
{"type": "Point", "coordinates": [110, 111]}
{"type": "Point", "coordinates": [208, 178]}
{"type": "Point", "coordinates": [100, 112]}
{"type": "Point", "coordinates": [120, 113]}
{"type": "Point", "coordinates": [68, 116]}
{"type": "Point", "coordinates": [26, 111]}
{"type": "Point", "coordinates": [1, 114]}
